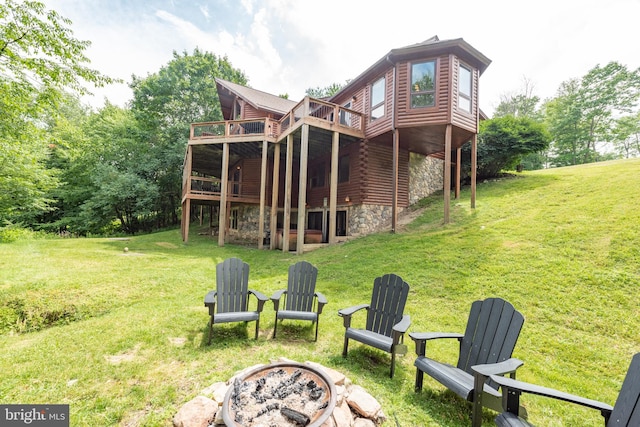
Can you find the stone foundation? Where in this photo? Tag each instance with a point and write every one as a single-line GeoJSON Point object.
{"type": "Point", "coordinates": [354, 406]}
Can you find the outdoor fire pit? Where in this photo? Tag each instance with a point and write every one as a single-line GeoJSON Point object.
{"type": "Point", "coordinates": [280, 394]}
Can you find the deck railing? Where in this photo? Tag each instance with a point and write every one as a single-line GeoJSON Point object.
{"type": "Point", "coordinates": [229, 128]}
{"type": "Point", "coordinates": [204, 186]}
{"type": "Point", "coordinates": [308, 107]}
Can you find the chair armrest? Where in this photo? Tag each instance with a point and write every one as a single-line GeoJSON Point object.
{"type": "Point", "coordinates": [276, 298]}
{"type": "Point", "coordinates": [322, 301]}
{"type": "Point", "coordinates": [403, 325]}
{"type": "Point", "coordinates": [500, 368]}
{"type": "Point", "coordinates": [210, 298]}
{"type": "Point", "coordinates": [261, 299]}
{"type": "Point", "coordinates": [346, 313]}
{"type": "Point", "coordinates": [421, 338]}
{"type": "Point", "coordinates": [509, 384]}
{"type": "Point", "coordinates": [210, 301]}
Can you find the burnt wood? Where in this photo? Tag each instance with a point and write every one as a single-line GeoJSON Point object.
{"type": "Point", "coordinates": [229, 302]}
{"type": "Point", "coordinates": [625, 412]}
{"type": "Point", "coordinates": [486, 347]}
{"type": "Point", "coordinates": [301, 300]}
{"type": "Point", "coordinates": [386, 322]}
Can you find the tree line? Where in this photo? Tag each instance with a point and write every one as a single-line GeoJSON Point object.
{"type": "Point", "coordinates": [67, 168]}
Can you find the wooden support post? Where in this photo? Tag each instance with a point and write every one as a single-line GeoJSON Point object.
{"type": "Point", "coordinates": [275, 187]}
{"type": "Point", "coordinates": [394, 184]}
{"type": "Point", "coordinates": [186, 210]}
{"type": "Point", "coordinates": [224, 177]}
{"type": "Point", "coordinates": [263, 192]}
{"type": "Point", "coordinates": [302, 188]}
{"type": "Point", "coordinates": [474, 167]}
{"type": "Point", "coordinates": [186, 202]}
{"type": "Point", "coordinates": [458, 162]}
{"type": "Point", "coordinates": [447, 173]}
{"type": "Point", "coordinates": [287, 194]}
{"type": "Point", "coordinates": [333, 192]}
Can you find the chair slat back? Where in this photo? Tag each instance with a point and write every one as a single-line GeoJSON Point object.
{"type": "Point", "coordinates": [626, 411]}
{"type": "Point", "coordinates": [491, 334]}
{"type": "Point", "coordinates": [387, 303]}
{"type": "Point", "coordinates": [301, 287]}
{"type": "Point", "coordinates": [232, 285]}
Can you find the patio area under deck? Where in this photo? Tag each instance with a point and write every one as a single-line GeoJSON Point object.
{"type": "Point", "coordinates": [312, 127]}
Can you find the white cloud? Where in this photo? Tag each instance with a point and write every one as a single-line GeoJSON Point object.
{"type": "Point", "coordinates": [287, 46]}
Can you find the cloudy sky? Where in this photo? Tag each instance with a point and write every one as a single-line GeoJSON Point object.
{"type": "Point", "coordinates": [288, 46]}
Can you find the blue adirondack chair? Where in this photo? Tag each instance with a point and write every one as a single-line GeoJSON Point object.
{"type": "Point", "coordinates": [625, 412]}
{"type": "Point", "coordinates": [301, 300]}
{"type": "Point", "coordinates": [492, 330]}
{"type": "Point", "coordinates": [386, 322]}
{"type": "Point", "coordinates": [230, 301]}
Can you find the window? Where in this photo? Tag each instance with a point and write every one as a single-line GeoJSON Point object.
{"type": "Point", "coordinates": [233, 220]}
{"type": "Point", "coordinates": [377, 99]}
{"type": "Point", "coordinates": [316, 176]}
{"type": "Point", "coordinates": [345, 116]}
{"type": "Point", "coordinates": [343, 169]}
{"type": "Point", "coordinates": [423, 84]}
{"type": "Point", "coordinates": [464, 88]}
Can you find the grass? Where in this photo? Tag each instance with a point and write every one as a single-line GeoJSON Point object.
{"type": "Point", "coordinates": [84, 323]}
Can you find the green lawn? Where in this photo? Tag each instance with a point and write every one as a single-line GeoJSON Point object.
{"type": "Point", "coordinates": [96, 326]}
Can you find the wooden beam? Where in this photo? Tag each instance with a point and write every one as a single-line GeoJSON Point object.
{"type": "Point", "coordinates": [186, 204]}
{"type": "Point", "coordinates": [224, 177]}
{"type": "Point", "coordinates": [394, 184]}
{"type": "Point", "coordinates": [186, 217]}
{"type": "Point", "coordinates": [274, 195]}
{"type": "Point", "coordinates": [302, 188]}
{"type": "Point", "coordinates": [458, 162]}
{"type": "Point", "coordinates": [474, 167]}
{"type": "Point", "coordinates": [263, 192]}
{"type": "Point", "coordinates": [333, 191]}
{"type": "Point", "coordinates": [287, 194]}
{"type": "Point", "coordinates": [447, 173]}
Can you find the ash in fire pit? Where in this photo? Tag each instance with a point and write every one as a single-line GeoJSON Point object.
{"type": "Point", "coordinates": [285, 394]}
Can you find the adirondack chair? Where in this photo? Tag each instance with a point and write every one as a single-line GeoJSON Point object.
{"type": "Point", "coordinates": [230, 301]}
{"type": "Point", "coordinates": [386, 323]}
{"type": "Point", "coordinates": [492, 330]}
{"type": "Point", "coordinates": [300, 297]}
{"type": "Point", "coordinates": [625, 412]}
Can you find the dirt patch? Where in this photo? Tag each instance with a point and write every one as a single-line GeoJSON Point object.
{"type": "Point", "coordinates": [167, 245]}
{"type": "Point", "coordinates": [127, 356]}
{"type": "Point", "coordinates": [178, 341]}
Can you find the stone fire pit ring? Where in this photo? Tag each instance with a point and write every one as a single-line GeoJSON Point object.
{"type": "Point", "coordinates": [283, 394]}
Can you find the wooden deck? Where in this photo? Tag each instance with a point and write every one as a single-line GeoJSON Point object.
{"type": "Point", "coordinates": [314, 112]}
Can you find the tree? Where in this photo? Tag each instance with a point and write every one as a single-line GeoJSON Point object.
{"type": "Point", "coordinates": [626, 136]}
{"type": "Point", "coordinates": [582, 115]}
{"type": "Point", "coordinates": [519, 104]}
{"type": "Point", "coordinates": [39, 60]}
{"type": "Point", "coordinates": [503, 141]}
{"type": "Point", "coordinates": [564, 120]}
{"type": "Point", "coordinates": [325, 92]}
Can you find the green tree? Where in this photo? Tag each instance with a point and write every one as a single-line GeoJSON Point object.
{"type": "Point", "coordinates": [522, 103]}
{"type": "Point", "coordinates": [565, 123]}
{"type": "Point", "coordinates": [324, 92]}
{"type": "Point", "coordinates": [503, 141]}
{"type": "Point", "coordinates": [39, 60]}
{"type": "Point", "coordinates": [626, 136]}
{"type": "Point", "coordinates": [582, 115]}
{"type": "Point", "coordinates": [116, 170]}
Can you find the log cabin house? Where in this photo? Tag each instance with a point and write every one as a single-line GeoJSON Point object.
{"type": "Point", "coordinates": [292, 175]}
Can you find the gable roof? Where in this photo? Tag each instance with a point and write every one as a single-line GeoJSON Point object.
{"type": "Point", "coordinates": [257, 98]}
{"type": "Point", "coordinates": [430, 47]}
